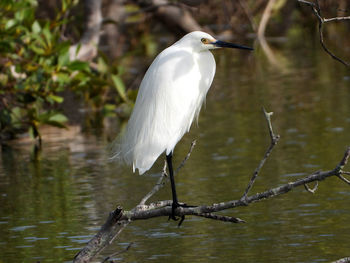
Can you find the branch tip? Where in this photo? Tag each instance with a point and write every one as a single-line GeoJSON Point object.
{"type": "Point", "coordinates": [313, 190]}
{"type": "Point", "coordinates": [343, 179]}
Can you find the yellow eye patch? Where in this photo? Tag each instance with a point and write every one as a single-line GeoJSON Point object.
{"type": "Point", "coordinates": [205, 41]}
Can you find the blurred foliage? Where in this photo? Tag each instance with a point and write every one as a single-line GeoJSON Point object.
{"type": "Point", "coordinates": [36, 71]}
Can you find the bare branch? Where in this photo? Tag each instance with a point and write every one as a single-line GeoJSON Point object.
{"type": "Point", "coordinates": [160, 183]}
{"type": "Point", "coordinates": [274, 140]}
{"type": "Point", "coordinates": [339, 18]}
{"type": "Point", "coordinates": [193, 143]}
{"type": "Point", "coordinates": [317, 12]}
{"type": "Point", "coordinates": [313, 190]}
{"type": "Point", "coordinates": [119, 218]}
{"type": "Point", "coordinates": [181, 211]}
{"type": "Point", "coordinates": [344, 179]}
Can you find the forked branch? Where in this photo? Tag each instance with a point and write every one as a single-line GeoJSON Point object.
{"type": "Point", "coordinates": [274, 140]}
{"type": "Point", "coordinates": [315, 7]}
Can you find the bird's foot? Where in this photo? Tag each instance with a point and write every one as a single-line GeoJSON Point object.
{"type": "Point", "coordinates": [174, 206]}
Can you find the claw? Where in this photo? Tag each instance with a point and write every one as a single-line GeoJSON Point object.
{"type": "Point", "coordinates": [182, 219]}
{"type": "Point", "coordinates": [174, 206]}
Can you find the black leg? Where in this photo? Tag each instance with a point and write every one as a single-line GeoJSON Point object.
{"type": "Point", "coordinates": [172, 181]}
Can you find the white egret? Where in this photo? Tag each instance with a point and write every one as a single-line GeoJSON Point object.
{"type": "Point", "coordinates": [169, 98]}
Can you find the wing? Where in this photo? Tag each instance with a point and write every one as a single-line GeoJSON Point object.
{"type": "Point", "coordinates": [170, 95]}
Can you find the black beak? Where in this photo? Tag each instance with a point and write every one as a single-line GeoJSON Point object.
{"type": "Point", "coordinates": [219, 43]}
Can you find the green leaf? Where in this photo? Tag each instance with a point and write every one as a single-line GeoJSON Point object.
{"type": "Point", "coordinates": [55, 124]}
{"type": "Point", "coordinates": [79, 65]}
{"type": "Point", "coordinates": [62, 78]}
{"type": "Point", "coordinates": [36, 28]}
{"type": "Point", "coordinates": [102, 65]}
{"type": "Point", "coordinates": [63, 58]}
{"type": "Point", "coordinates": [47, 34]}
{"type": "Point", "coordinates": [58, 117]}
{"type": "Point", "coordinates": [120, 87]}
{"type": "Point", "coordinates": [10, 23]}
{"type": "Point", "coordinates": [55, 98]}
{"type": "Point", "coordinates": [37, 50]}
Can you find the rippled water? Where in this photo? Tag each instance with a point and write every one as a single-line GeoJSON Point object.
{"type": "Point", "coordinates": [54, 200]}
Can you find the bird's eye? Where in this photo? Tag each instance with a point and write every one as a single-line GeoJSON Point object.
{"type": "Point", "coordinates": [204, 41]}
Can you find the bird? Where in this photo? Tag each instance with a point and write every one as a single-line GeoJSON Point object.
{"type": "Point", "coordinates": [170, 97]}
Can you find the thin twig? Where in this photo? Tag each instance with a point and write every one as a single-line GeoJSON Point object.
{"type": "Point", "coordinates": [220, 217]}
{"type": "Point", "coordinates": [193, 143]}
{"type": "Point", "coordinates": [160, 183]}
{"type": "Point", "coordinates": [317, 12]}
{"type": "Point", "coordinates": [313, 190]}
{"type": "Point", "coordinates": [338, 18]}
{"type": "Point", "coordinates": [274, 140]}
{"type": "Point", "coordinates": [118, 253]}
{"type": "Point", "coordinates": [344, 179]}
{"type": "Point", "coordinates": [124, 225]}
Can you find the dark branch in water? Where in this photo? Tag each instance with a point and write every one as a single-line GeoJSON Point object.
{"type": "Point", "coordinates": [317, 12]}
{"type": "Point", "coordinates": [119, 218]}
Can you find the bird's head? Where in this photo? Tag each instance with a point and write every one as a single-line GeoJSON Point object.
{"type": "Point", "coordinates": [202, 41]}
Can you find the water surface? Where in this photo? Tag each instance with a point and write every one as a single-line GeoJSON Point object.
{"type": "Point", "coordinates": [54, 200]}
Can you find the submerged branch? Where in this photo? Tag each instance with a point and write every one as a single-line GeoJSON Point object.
{"type": "Point", "coordinates": [119, 218]}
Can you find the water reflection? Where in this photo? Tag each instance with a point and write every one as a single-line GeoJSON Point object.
{"type": "Point", "coordinates": [54, 200]}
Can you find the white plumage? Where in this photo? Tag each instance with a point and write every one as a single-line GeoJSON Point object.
{"type": "Point", "coordinates": [169, 98]}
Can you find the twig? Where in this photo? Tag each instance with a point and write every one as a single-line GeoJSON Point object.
{"type": "Point", "coordinates": [317, 12]}
{"type": "Point", "coordinates": [160, 183]}
{"type": "Point", "coordinates": [274, 140]}
{"type": "Point", "coordinates": [118, 253]}
{"type": "Point", "coordinates": [344, 179]}
{"type": "Point", "coordinates": [339, 18]}
{"type": "Point", "coordinates": [313, 190]}
{"type": "Point", "coordinates": [221, 218]}
{"type": "Point", "coordinates": [193, 143]}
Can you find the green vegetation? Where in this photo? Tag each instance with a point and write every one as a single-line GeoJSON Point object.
{"type": "Point", "coordinates": [36, 71]}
